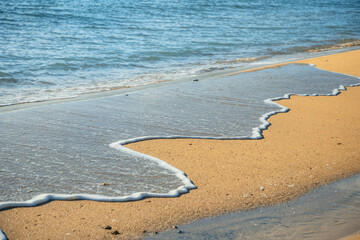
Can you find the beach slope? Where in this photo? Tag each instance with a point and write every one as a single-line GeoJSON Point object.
{"type": "Point", "coordinates": [313, 144]}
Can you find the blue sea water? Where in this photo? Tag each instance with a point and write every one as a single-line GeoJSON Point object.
{"type": "Point", "coordinates": [59, 49]}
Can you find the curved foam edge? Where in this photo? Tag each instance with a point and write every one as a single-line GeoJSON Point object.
{"type": "Point", "coordinates": [2, 235]}
{"type": "Point", "coordinates": [188, 185]}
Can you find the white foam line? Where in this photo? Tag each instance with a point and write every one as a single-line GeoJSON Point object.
{"type": "Point", "coordinates": [2, 235]}
{"type": "Point", "coordinates": [188, 185]}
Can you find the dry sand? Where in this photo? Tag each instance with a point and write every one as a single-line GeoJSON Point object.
{"type": "Point", "coordinates": [313, 144]}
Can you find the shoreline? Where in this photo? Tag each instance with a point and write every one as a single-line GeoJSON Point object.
{"type": "Point", "coordinates": [254, 66]}
{"type": "Point", "coordinates": [325, 213]}
{"type": "Point", "coordinates": [164, 149]}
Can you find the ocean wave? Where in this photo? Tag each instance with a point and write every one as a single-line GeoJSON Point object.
{"type": "Point", "coordinates": [347, 43]}
{"type": "Point", "coordinates": [344, 44]}
{"type": "Point", "coordinates": [8, 81]}
{"type": "Point", "coordinates": [242, 60]}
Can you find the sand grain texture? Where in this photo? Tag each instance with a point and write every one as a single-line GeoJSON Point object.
{"type": "Point", "coordinates": [313, 144]}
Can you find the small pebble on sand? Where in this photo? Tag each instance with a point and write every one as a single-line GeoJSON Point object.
{"type": "Point", "coordinates": [115, 232]}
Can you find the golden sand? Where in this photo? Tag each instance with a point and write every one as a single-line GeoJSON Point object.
{"type": "Point", "coordinates": [313, 144]}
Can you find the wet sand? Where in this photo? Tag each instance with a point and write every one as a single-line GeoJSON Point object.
{"type": "Point", "coordinates": [313, 144]}
{"type": "Point", "coordinates": [355, 236]}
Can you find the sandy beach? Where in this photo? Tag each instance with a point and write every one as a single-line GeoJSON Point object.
{"type": "Point", "coordinates": [315, 143]}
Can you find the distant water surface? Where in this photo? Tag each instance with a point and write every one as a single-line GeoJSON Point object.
{"type": "Point", "coordinates": [59, 49]}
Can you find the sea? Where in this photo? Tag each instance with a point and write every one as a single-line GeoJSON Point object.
{"type": "Point", "coordinates": [80, 79]}
{"type": "Point", "coordinates": [51, 49]}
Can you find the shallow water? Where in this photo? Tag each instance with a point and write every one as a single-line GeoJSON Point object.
{"type": "Point", "coordinates": [55, 49]}
{"type": "Point", "coordinates": [327, 213]}
{"type": "Point", "coordinates": [64, 148]}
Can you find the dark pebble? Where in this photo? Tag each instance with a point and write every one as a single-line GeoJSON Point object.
{"type": "Point", "coordinates": [115, 232]}
{"type": "Point", "coordinates": [108, 227]}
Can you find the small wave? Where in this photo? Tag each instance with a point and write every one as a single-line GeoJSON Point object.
{"type": "Point", "coordinates": [47, 83]}
{"type": "Point", "coordinates": [320, 48]}
{"type": "Point", "coordinates": [153, 56]}
{"type": "Point", "coordinates": [317, 48]}
{"type": "Point", "coordinates": [4, 74]}
{"type": "Point", "coordinates": [63, 66]}
{"type": "Point", "coordinates": [6, 80]}
{"type": "Point", "coordinates": [226, 64]}
{"type": "Point", "coordinates": [242, 60]}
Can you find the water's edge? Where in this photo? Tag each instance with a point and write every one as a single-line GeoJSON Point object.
{"type": "Point", "coordinates": [329, 212]}
{"type": "Point", "coordinates": [188, 185]}
{"type": "Point", "coordinates": [258, 65]}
